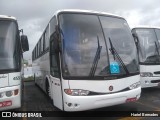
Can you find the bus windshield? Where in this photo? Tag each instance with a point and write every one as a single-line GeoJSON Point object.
{"type": "Point", "coordinates": [149, 51]}
{"type": "Point", "coordinates": [86, 46]}
{"type": "Point", "coordinates": [8, 45]}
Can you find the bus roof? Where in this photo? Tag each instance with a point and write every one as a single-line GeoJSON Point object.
{"type": "Point", "coordinates": [7, 17]}
{"type": "Point", "coordinates": [147, 26]}
{"type": "Point", "coordinates": [85, 11]}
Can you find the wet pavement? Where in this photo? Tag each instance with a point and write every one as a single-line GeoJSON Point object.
{"type": "Point", "coordinates": [34, 100]}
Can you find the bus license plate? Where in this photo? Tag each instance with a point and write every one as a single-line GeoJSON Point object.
{"type": "Point", "coordinates": [5, 103]}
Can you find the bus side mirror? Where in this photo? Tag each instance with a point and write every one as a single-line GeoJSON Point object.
{"type": "Point", "coordinates": [24, 42]}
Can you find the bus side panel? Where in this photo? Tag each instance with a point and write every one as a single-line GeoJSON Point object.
{"type": "Point", "coordinates": [41, 70]}
{"type": "Point", "coordinates": [45, 70]}
{"type": "Point", "coordinates": [57, 92]}
{"type": "Point", "coordinates": [36, 71]}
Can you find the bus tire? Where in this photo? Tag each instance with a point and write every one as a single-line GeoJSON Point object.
{"type": "Point", "coordinates": [48, 90]}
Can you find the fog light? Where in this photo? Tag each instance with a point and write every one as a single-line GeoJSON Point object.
{"type": "Point", "coordinates": [69, 104]}
{"type": "Point", "coordinates": [75, 105]}
{"type": "Point", "coordinates": [146, 82]}
{"type": "Point", "coordinates": [9, 93]}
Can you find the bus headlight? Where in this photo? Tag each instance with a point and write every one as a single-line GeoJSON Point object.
{"type": "Point", "coordinates": [146, 74]}
{"type": "Point", "coordinates": [135, 85]}
{"type": "Point", "coordinates": [76, 92]}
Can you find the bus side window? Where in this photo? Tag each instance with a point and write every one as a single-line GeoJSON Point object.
{"type": "Point", "coordinates": [54, 56]}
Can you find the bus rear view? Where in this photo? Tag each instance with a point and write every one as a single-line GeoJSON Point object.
{"type": "Point", "coordinates": [148, 45]}
{"type": "Point", "coordinates": [10, 64]}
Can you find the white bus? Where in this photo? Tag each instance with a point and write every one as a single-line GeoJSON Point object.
{"type": "Point", "coordinates": [148, 45]}
{"type": "Point", "coordinates": [11, 64]}
{"type": "Point", "coordinates": [86, 60]}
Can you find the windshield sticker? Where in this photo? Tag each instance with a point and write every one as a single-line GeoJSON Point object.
{"type": "Point", "coordinates": [114, 68]}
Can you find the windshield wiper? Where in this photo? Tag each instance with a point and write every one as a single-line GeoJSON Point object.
{"type": "Point", "coordinates": [96, 58]}
{"type": "Point", "coordinates": [116, 55]}
{"type": "Point", "coordinates": [157, 48]}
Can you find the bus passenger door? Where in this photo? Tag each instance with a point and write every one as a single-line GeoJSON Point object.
{"type": "Point", "coordinates": [55, 74]}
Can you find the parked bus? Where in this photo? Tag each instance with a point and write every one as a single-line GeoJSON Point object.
{"type": "Point", "coordinates": [148, 45]}
{"type": "Point", "coordinates": [11, 64]}
{"type": "Point", "coordinates": [86, 60]}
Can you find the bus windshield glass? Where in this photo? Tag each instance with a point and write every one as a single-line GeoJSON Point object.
{"type": "Point", "coordinates": [149, 51]}
{"type": "Point", "coordinates": [86, 48]}
{"type": "Point", "coordinates": [8, 45]}
{"type": "Point", "coordinates": [118, 32]}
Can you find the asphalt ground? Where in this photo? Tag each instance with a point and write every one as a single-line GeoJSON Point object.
{"type": "Point", "coordinates": [35, 100]}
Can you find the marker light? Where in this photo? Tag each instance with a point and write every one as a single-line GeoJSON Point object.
{"type": "Point", "coordinates": [76, 92]}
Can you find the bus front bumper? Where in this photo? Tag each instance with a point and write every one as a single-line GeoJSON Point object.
{"type": "Point", "coordinates": [81, 103]}
{"type": "Point", "coordinates": [150, 82]}
{"type": "Point", "coordinates": [10, 97]}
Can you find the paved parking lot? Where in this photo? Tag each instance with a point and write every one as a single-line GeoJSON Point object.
{"type": "Point", "coordinates": [35, 99]}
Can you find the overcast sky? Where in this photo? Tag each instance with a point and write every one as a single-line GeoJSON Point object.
{"type": "Point", "coordinates": [34, 15]}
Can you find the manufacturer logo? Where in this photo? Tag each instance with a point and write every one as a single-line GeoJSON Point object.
{"type": "Point", "coordinates": [111, 88]}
